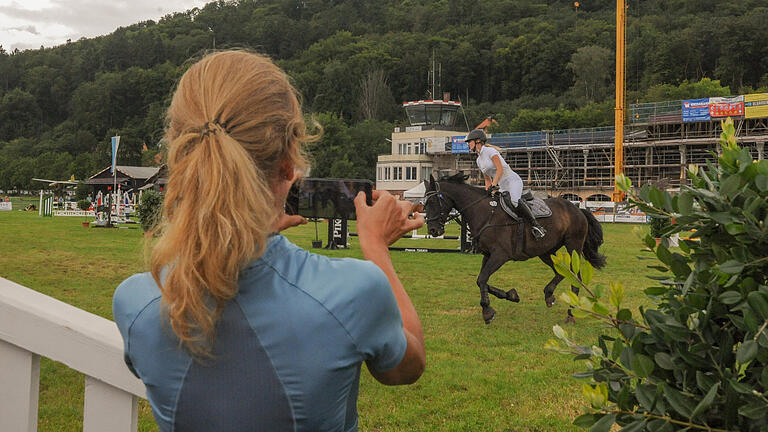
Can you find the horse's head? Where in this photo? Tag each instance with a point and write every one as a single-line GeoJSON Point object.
{"type": "Point", "coordinates": [437, 207]}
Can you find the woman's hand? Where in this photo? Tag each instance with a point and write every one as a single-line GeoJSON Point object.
{"type": "Point", "coordinates": [288, 221]}
{"type": "Point", "coordinates": [386, 220]}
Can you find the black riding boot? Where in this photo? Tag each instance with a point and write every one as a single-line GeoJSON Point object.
{"type": "Point", "coordinates": [525, 211]}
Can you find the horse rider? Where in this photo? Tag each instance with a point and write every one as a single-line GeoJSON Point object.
{"type": "Point", "coordinates": [497, 173]}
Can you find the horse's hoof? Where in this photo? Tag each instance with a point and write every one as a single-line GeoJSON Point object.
{"type": "Point", "coordinates": [570, 320]}
{"type": "Point", "coordinates": [549, 300]}
{"type": "Point", "coordinates": [512, 296]}
{"type": "Point", "coordinates": [488, 315]}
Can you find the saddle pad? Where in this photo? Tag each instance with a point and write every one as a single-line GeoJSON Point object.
{"type": "Point", "coordinates": [537, 205]}
{"type": "Point", "coordinates": [539, 208]}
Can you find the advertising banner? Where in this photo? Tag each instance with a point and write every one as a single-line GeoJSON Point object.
{"type": "Point", "coordinates": [756, 105]}
{"type": "Point", "coordinates": [6, 206]}
{"type": "Point", "coordinates": [458, 145]}
{"type": "Point", "coordinates": [726, 106]}
{"type": "Point", "coordinates": [696, 110]}
{"type": "Point", "coordinates": [629, 214]}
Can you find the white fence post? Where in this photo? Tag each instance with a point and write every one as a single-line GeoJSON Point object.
{"type": "Point", "coordinates": [108, 408]}
{"type": "Point", "coordinates": [19, 388]}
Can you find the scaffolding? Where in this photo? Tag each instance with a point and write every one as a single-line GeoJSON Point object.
{"type": "Point", "coordinates": [580, 162]}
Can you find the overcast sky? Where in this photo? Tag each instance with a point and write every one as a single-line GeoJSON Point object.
{"type": "Point", "coordinates": [30, 23]}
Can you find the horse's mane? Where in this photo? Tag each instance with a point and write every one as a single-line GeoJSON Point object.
{"type": "Point", "coordinates": [456, 178]}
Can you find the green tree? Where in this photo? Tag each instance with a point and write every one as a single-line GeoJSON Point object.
{"type": "Point", "coordinates": [592, 67]}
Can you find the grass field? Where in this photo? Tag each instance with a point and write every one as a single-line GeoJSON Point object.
{"type": "Point", "coordinates": [479, 377]}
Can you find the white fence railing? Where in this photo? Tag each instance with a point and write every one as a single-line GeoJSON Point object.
{"type": "Point", "coordinates": [33, 325]}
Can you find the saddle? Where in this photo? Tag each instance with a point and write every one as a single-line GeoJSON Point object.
{"type": "Point", "coordinates": [539, 208]}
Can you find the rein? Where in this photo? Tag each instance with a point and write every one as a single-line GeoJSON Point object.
{"type": "Point", "coordinates": [442, 215]}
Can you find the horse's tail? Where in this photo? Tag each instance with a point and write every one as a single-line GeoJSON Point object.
{"type": "Point", "coordinates": [594, 240]}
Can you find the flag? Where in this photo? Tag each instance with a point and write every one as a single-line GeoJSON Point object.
{"type": "Point", "coordinates": [115, 145]}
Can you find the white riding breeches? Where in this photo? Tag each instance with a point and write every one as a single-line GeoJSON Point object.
{"type": "Point", "coordinates": [512, 184]}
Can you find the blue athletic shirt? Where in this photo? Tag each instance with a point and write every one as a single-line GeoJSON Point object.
{"type": "Point", "coordinates": [288, 347]}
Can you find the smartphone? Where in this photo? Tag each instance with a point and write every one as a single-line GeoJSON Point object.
{"type": "Point", "coordinates": [327, 198]}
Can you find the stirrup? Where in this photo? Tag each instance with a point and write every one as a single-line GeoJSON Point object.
{"type": "Point", "coordinates": [538, 232]}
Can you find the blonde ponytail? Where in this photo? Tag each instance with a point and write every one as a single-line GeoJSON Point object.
{"type": "Point", "coordinates": [234, 119]}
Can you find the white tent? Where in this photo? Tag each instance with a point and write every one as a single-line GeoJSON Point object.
{"type": "Point", "coordinates": [415, 193]}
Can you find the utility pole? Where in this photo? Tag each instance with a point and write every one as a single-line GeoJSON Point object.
{"type": "Point", "coordinates": [618, 196]}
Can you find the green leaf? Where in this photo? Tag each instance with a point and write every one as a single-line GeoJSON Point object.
{"type": "Point", "coordinates": [635, 426]}
{"type": "Point", "coordinates": [664, 360]}
{"type": "Point", "coordinates": [575, 262]}
{"type": "Point", "coordinates": [678, 401]}
{"type": "Point", "coordinates": [646, 395]}
{"type": "Point", "coordinates": [663, 254]}
{"type": "Point", "coordinates": [685, 203]}
{"type": "Point", "coordinates": [759, 304]}
{"type": "Point", "coordinates": [657, 197]}
{"type": "Point", "coordinates": [734, 228]}
{"type": "Point", "coordinates": [706, 401]}
{"type": "Point", "coordinates": [604, 424]}
{"type": "Point", "coordinates": [624, 315]}
{"type": "Point", "coordinates": [655, 291]}
{"type": "Point", "coordinates": [600, 308]}
{"type": "Point", "coordinates": [761, 181]}
{"type": "Point", "coordinates": [747, 351]}
{"type": "Point", "coordinates": [587, 271]}
{"type": "Point", "coordinates": [731, 267]}
{"type": "Point", "coordinates": [740, 387]}
{"type": "Point", "coordinates": [730, 186]}
{"type": "Point", "coordinates": [755, 410]}
{"type": "Point", "coordinates": [730, 297]}
{"type": "Point", "coordinates": [642, 365]}
{"type": "Point", "coordinates": [585, 420]}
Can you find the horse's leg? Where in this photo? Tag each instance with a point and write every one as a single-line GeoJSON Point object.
{"type": "Point", "coordinates": [491, 263]}
{"type": "Point", "coordinates": [549, 290]}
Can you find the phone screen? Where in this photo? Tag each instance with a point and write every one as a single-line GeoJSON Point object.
{"type": "Point", "coordinates": [327, 198]}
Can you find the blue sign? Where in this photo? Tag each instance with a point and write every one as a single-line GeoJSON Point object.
{"type": "Point", "coordinates": [115, 146]}
{"type": "Point", "coordinates": [696, 110]}
{"type": "Point", "coordinates": [458, 145]}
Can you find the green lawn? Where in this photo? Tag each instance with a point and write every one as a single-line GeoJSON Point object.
{"type": "Point", "coordinates": [479, 377]}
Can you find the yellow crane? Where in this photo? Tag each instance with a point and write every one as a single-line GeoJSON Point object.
{"type": "Point", "coordinates": [621, 8]}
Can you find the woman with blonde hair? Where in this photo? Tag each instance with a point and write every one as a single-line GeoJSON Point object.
{"type": "Point", "coordinates": [235, 328]}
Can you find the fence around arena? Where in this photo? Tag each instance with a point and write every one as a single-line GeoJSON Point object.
{"type": "Point", "coordinates": [33, 325]}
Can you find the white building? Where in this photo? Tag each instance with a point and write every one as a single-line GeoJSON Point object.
{"type": "Point", "coordinates": [415, 148]}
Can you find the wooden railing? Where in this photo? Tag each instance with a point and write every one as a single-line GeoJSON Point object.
{"type": "Point", "coordinates": [33, 325]}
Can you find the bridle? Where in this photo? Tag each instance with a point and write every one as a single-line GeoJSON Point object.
{"type": "Point", "coordinates": [442, 217]}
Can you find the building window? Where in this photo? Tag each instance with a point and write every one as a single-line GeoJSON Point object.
{"type": "Point", "coordinates": [410, 173]}
{"type": "Point", "coordinates": [408, 148]}
{"type": "Point", "coordinates": [398, 173]}
{"type": "Point", "coordinates": [378, 174]}
{"type": "Point", "coordinates": [415, 148]}
{"type": "Point", "coordinates": [425, 172]}
{"type": "Point", "coordinates": [387, 173]}
{"type": "Point", "coordinates": [423, 147]}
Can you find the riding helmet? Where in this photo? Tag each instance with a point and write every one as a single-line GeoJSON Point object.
{"type": "Point", "coordinates": [476, 134]}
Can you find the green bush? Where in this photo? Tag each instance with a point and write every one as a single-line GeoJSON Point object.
{"type": "Point", "coordinates": [82, 191]}
{"type": "Point", "coordinates": [83, 204]}
{"type": "Point", "coordinates": [149, 209]}
{"type": "Point", "coordinates": [699, 359]}
{"type": "Point", "coordinates": [657, 225]}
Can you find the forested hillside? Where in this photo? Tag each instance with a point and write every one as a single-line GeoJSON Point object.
{"type": "Point", "coordinates": [531, 64]}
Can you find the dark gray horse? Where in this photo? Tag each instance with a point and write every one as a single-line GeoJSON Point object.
{"type": "Point", "coordinates": [500, 238]}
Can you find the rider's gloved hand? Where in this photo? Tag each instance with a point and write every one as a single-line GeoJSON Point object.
{"type": "Point", "coordinates": [493, 190]}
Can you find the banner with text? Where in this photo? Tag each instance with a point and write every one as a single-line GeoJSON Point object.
{"type": "Point", "coordinates": [726, 106]}
{"type": "Point", "coordinates": [756, 105]}
{"type": "Point", "coordinates": [458, 145]}
{"type": "Point", "coordinates": [696, 110]}
{"type": "Point", "coordinates": [6, 206]}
